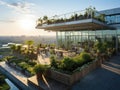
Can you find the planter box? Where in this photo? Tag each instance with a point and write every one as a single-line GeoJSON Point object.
{"type": "Point", "coordinates": [71, 79]}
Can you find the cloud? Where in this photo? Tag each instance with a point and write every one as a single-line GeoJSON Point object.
{"type": "Point", "coordinates": [22, 7]}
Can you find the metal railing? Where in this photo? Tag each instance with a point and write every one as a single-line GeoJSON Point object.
{"type": "Point", "coordinates": [73, 16]}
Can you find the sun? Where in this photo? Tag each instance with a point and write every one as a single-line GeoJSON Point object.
{"type": "Point", "coordinates": [27, 24]}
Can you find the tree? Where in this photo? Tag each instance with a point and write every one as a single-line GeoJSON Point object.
{"type": "Point", "coordinates": [90, 12]}
{"type": "Point", "coordinates": [13, 47]}
{"type": "Point", "coordinates": [40, 21]}
{"type": "Point", "coordinates": [29, 43]}
{"type": "Point", "coordinates": [18, 48]}
{"type": "Point", "coordinates": [45, 18]}
{"type": "Point", "coordinates": [39, 69]}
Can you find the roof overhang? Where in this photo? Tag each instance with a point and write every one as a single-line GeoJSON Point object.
{"type": "Point", "coordinates": [86, 24]}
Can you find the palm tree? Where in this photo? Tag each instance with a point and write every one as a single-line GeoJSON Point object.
{"type": "Point", "coordinates": [29, 43]}
{"type": "Point", "coordinates": [18, 48]}
{"type": "Point", "coordinates": [13, 47]}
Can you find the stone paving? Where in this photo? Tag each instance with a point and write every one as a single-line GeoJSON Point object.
{"type": "Point", "coordinates": [105, 78]}
{"type": "Point", "coordinates": [44, 59]}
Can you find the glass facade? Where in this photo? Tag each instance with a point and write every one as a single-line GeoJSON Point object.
{"type": "Point", "coordinates": [68, 38]}
{"type": "Point", "coordinates": [113, 19]}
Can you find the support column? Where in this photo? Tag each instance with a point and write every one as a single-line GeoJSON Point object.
{"type": "Point", "coordinates": [88, 40]}
{"type": "Point", "coordinates": [102, 36]}
{"type": "Point", "coordinates": [116, 41]}
{"type": "Point", "coordinates": [81, 36]}
{"type": "Point", "coordinates": [57, 38]}
{"type": "Point", "coordinates": [95, 35]}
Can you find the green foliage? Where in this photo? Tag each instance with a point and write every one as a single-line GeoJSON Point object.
{"type": "Point", "coordinates": [85, 57]}
{"type": "Point", "coordinates": [68, 64]}
{"type": "Point", "coordinates": [23, 65]}
{"type": "Point", "coordinates": [3, 84]}
{"type": "Point", "coordinates": [29, 43]}
{"type": "Point", "coordinates": [78, 60]}
{"type": "Point", "coordinates": [39, 68]}
{"type": "Point", "coordinates": [53, 62]}
{"type": "Point", "coordinates": [45, 18]}
{"type": "Point", "coordinates": [18, 48]}
{"type": "Point", "coordinates": [52, 51]}
{"type": "Point", "coordinates": [102, 47]}
{"type": "Point", "coordinates": [82, 59]}
{"type": "Point", "coordinates": [32, 63]}
{"type": "Point", "coordinates": [13, 47]}
{"type": "Point", "coordinates": [99, 46]}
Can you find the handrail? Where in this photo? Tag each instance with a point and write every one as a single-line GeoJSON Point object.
{"type": "Point", "coordinates": [73, 16]}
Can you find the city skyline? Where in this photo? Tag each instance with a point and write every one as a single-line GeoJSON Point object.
{"type": "Point", "coordinates": [19, 17]}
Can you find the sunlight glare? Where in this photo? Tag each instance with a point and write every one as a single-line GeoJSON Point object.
{"type": "Point", "coordinates": [27, 24]}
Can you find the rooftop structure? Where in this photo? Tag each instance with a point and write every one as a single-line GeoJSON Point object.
{"type": "Point", "coordinates": [79, 20]}
{"type": "Point", "coordinates": [86, 25]}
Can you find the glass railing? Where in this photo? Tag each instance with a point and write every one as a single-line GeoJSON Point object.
{"type": "Point", "coordinates": [72, 16]}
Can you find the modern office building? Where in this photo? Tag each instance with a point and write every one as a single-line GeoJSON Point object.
{"type": "Point", "coordinates": [86, 25]}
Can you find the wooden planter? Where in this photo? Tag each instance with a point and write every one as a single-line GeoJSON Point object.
{"type": "Point", "coordinates": [71, 79]}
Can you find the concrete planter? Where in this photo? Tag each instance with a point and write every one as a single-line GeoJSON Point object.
{"type": "Point", "coordinates": [71, 79]}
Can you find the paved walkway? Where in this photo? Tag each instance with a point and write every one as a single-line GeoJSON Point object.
{"type": "Point", "coordinates": [105, 78]}
{"type": "Point", "coordinates": [44, 59]}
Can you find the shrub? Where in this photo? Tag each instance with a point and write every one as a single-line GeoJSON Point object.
{"type": "Point", "coordinates": [39, 68]}
{"type": "Point", "coordinates": [53, 62]}
{"type": "Point", "coordinates": [85, 57]}
{"type": "Point", "coordinates": [52, 51]}
{"type": "Point", "coordinates": [32, 63]}
{"type": "Point", "coordinates": [69, 64]}
{"type": "Point", "coordinates": [81, 59]}
{"type": "Point", "coordinates": [78, 60]}
{"type": "Point", "coordinates": [23, 65]}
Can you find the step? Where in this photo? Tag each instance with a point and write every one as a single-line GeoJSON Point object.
{"type": "Point", "coordinates": [115, 70]}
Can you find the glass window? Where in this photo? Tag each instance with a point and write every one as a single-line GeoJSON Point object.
{"type": "Point", "coordinates": [112, 19]}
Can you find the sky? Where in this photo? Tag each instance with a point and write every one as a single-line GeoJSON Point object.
{"type": "Point", "coordinates": [18, 17]}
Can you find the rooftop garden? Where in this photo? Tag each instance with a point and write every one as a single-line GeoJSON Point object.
{"type": "Point", "coordinates": [79, 15]}
{"type": "Point", "coordinates": [23, 57]}
{"type": "Point", "coordinates": [70, 65]}
{"type": "Point", "coordinates": [65, 61]}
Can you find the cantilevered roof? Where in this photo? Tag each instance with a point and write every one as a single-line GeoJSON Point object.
{"type": "Point", "coordinates": [86, 24]}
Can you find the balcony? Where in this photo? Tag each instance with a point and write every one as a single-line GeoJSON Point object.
{"type": "Point", "coordinates": [88, 19]}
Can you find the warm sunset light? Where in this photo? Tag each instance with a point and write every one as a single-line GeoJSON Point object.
{"type": "Point", "coordinates": [27, 24]}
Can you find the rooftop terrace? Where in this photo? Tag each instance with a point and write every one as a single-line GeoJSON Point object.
{"type": "Point", "coordinates": [88, 19]}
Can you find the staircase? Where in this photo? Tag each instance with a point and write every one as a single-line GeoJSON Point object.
{"type": "Point", "coordinates": [113, 64]}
